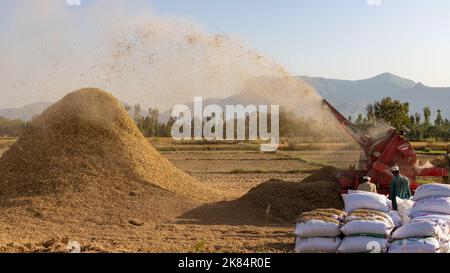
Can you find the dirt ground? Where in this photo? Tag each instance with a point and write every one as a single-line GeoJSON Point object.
{"type": "Point", "coordinates": [233, 172]}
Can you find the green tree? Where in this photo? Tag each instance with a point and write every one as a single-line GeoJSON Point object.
{"type": "Point", "coordinates": [370, 113]}
{"type": "Point", "coordinates": [426, 115]}
{"type": "Point", "coordinates": [137, 111]}
{"type": "Point", "coordinates": [439, 121]}
{"type": "Point", "coordinates": [417, 118]}
{"type": "Point", "coordinates": [138, 119]}
{"type": "Point", "coordinates": [412, 121]}
{"type": "Point", "coordinates": [12, 128]}
{"type": "Point", "coordinates": [152, 122]}
{"type": "Point", "coordinates": [393, 112]}
{"type": "Point", "coordinates": [165, 130]}
{"type": "Point", "coordinates": [359, 120]}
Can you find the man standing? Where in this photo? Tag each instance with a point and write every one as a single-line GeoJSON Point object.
{"type": "Point", "coordinates": [366, 185]}
{"type": "Point", "coordinates": [400, 187]}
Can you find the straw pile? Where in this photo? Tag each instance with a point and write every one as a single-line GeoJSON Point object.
{"type": "Point", "coordinates": [84, 158]}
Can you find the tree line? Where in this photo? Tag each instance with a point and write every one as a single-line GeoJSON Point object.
{"type": "Point", "coordinates": [291, 125]}
{"type": "Point", "coordinates": [395, 113]}
{"type": "Point", "coordinates": [389, 111]}
{"type": "Point", "coordinates": [149, 123]}
{"type": "Point", "coordinates": [12, 128]}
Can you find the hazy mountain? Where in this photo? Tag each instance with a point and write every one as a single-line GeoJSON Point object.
{"type": "Point", "coordinates": [351, 97]}
{"type": "Point", "coordinates": [25, 113]}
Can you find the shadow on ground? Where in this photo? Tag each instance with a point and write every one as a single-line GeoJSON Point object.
{"type": "Point", "coordinates": [273, 203]}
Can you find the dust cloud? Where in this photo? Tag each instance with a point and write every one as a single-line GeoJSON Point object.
{"type": "Point", "coordinates": [49, 49]}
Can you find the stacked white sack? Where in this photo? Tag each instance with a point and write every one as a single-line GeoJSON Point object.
{"type": "Point", "coordinates": [421, 235]}
{"type": "Point", "coordinates": [318, 231]}
{"type": "Point", "coordinates": [368, 224]}
{"type": "Point", "coordinates": [431, 199]}
{"type": "Point", "coordinates": [428, 231]}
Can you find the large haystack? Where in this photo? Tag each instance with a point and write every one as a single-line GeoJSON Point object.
{"type": "Point", "coordinates": [84, 157]}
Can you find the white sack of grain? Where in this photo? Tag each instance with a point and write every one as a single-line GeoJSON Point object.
{"type": "Point", "coordinates": [396, 218]}
{"type": "Point", "coordinates": [432, 190]}
{"type": "Point", "coordinates": [317, 245]}
{"type": "Point", "coordinates": [363, 244]}
{"type": "Point", "coordinates": [423, 228]}
{"type": "Point", "coordinates": [443, 217]}
{"type": "Point", "coordinates": [440, 205]}
{"type": "Point", "coordinates": [415, 245]}
{"type": "Point", "coordinates": [374, 228]}
{"type": "Point", "coordinates": [317, 228]}
{"type": "Point", "coordinates": [366, 214]}
{"type": "Point", "coordinates": [355, 200]}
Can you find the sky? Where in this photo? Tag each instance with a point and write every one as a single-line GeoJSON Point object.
{"type": "Point", "coordinates": [347, 39]}
{"type": "Point", "coordinates": [148, 50]}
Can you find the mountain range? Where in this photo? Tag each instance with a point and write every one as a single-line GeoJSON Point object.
{"type": "Point", "coordinates": [26, 112]}
{"type": "Point", "coordinates": [349, 97]}
{"type": "Point", "coordinates": [352, 97]}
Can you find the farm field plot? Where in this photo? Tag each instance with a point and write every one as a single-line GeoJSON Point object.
{"type": "Point", "coordinates": [242, 166]}
{"type": "Point", "coordinates": [223, 155]}
{"type": "Point", "coordinates": [236, 172]}
{"type": "Point", "coordinates": [339, 159]}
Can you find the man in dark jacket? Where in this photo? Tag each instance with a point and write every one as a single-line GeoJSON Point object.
{"type": "Point", "coordinates": [400, 187]}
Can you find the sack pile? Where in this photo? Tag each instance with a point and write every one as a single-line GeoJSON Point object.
{"type": "Point", "coordinates": [368, 224]}
{"type": "Point", "coordinates": [318, 231]}
{"type": "Point", "coordinates": [421, 225]}
{"type": "Point", "coordinates": [431, 199]}
{"type": "Point", "coordinates": [428, 230]}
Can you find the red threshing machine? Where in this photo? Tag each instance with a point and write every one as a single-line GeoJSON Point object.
{"type": "Point", "coordinates": [379, 155]}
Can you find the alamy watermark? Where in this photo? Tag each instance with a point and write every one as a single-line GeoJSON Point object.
{"type": "Point", "coordinates": [209, 122]}
{"type": "Point", "coordinates": [374, 2]}
{"type": "Point", "coordinates": [73, 2]}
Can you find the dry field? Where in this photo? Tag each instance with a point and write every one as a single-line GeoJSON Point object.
{"type": "Point", "coordinates": [236, 172]}
{"type": "Point", "coordinates": [232, 169]}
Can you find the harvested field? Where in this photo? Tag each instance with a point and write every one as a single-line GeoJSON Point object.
{"type": "Point", "coordinates": [234, 173]}
{"type": "Point", "coordinates": [224, 155]}
{"type": "Point", "coordinates": [339, 159]}
{"type": "Point", "coordinates": [242, 166]}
